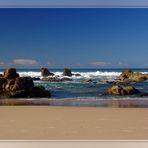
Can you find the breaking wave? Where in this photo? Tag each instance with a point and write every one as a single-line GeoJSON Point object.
{"type": "Point", "coordinates": [83, 75]}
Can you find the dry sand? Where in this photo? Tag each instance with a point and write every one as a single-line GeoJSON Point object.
{"type": "Point", "coordinates": [72, 123]}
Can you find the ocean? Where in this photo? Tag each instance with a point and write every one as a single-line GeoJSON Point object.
{"type": "Point", "coordinates": [80, 93]}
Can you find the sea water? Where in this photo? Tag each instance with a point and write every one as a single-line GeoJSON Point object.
{"type": "Point", "coordinates": [79, 92]}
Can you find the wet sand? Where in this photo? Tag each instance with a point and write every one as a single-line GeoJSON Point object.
{"type": "Point", "coordinates": [72, 123]}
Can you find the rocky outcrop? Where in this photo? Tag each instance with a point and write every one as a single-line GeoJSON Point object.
{"type": "Point", "coordinates": [125, 74]}
{"type": "Point", "coordinates": [67, 72]}
{"type": "Point", "coordinates": [117, 90]}
{"type": "Point", "coordinates": [10, 73]}
{"type": "Point", "coordinates": [128, 76]}
{"type": "Point", "coordinates": [45, 72]}
{"type": "Point", "coordinates": [13, 86]}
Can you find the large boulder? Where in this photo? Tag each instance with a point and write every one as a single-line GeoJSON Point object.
{"type": "Point", "coordinates": [67, 72]}
{"type": "Point", "coordinates": [117, 90]}
{"type": "Point", "coordinates": [23, 87]}
{"type": "Point", "coordinates": [10, 73]}
{"type": "Point", "coordinates": [13, 86]}
{"type": "Point", "coordinates": [45, 72]}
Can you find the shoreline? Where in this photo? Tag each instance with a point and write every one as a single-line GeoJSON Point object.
{"type": "Point", "coordinates": [77, 102]}
{"type": "Point", "coordinates": [72, 123]}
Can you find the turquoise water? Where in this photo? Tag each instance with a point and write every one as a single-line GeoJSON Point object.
{"type": "Point", "coordinates": [77, 89]}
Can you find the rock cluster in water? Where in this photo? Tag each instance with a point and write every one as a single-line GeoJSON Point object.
{"type": "Point", "coordinates": [48, 76]}
{"type": "Point", "coordinates": [14, 86]}
{"type": "Point", "coordinates": [128, 76]}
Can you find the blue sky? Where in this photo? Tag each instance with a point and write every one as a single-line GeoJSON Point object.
{"type": "Point", "coordinates": [75, 38]}
{"type": "Point", "coordinates": [64, 3]}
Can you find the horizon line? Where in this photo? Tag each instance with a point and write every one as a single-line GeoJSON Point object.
{"type": "Point", "coordinates": [73, 68]}
{"type": "Point", "coordinates": [74, 6]}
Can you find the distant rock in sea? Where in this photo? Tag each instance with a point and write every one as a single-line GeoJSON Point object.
{"type": "Point", "coordinates": [67, 72]}
{"type": "Point", "coordinates": [55, 79]}
{"type": "Point", "coordinates": [77, 75]}
{"type": "Point", "coordinates": [14, 86]}
{"type": "Point", "coordinates": [45, 72]}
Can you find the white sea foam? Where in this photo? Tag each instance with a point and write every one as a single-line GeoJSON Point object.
{"type": "Point", "coordinates": [83, 75]}
{"type": "Point", "coordinates": [30, 73]}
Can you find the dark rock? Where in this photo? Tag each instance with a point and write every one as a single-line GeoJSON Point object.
{"type": "Point", "coordinates": [23, 87]}
{"type": "Point", "coordinates": [117, 90]}
{"type": "Point", "coordinates": [17, 94]}
{"type": "Point", "coordinates": [23, 83]}
{"type": "Point", "coordinates": [35, 79]}
{"type": "Point", "coordinates": [10, 73]}
{"type": "Point", "coordinates": [18, 87]}
{"type": "Point", "coordinates": [87, 81]}
{"type": "Point", "coordinates": [39, 91]}
{"type": "Point", "coordinates": [67, 72]}
{"type": "Point", "coordinates": [145, 94]}
{"type": "Point", "coordinates": [9, 85]}
{"type": "Point", "coordinates": [45, 72]}
{"type": "Point", "coordinates": [2, 83]}
{"type": "Point", "coordinates": [36, 92]}
{"type": "Point", "coordinates": [77, 75]}
{"type": "Point", "coordinates": [56, 79]}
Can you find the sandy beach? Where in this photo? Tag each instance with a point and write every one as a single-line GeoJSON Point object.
{"type": "Point", "coordinates": [72, 123]}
